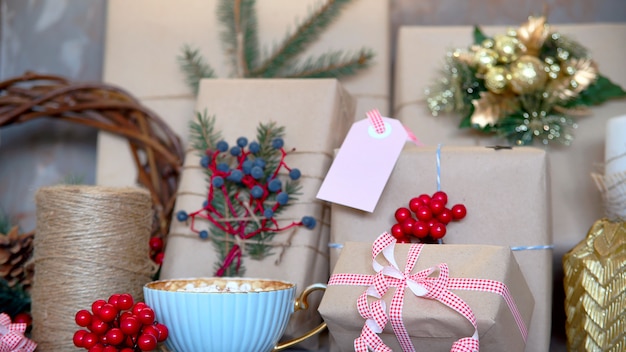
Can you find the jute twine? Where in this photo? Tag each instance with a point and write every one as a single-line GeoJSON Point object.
{"type": "Point", "coordinates": [91, 242]}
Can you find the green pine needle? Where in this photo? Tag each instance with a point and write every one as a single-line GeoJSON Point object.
{"type": "Point", "coordinates": [195, 67]}
{"type": "Point", "coordinates": [333, 64]}
{"type": "Point", "coordinates": [13, 300]}
{"type": "Point", "coordinates": [294, 43]}
{"type": "Point", "coordinates": [5, 222]}
{"type": "Point", "coordinates": [239, 22]}
{"type": "Point", "coordinates": [202, 134]}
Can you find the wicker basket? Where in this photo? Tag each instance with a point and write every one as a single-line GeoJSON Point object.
{"type": "Point", "coordinates": [156, 149]}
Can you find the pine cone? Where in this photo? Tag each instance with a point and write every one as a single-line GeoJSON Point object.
{"type": "Point", "coordinates": [15, 251]}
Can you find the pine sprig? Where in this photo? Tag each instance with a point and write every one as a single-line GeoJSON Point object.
{"type": "Point", "coordinates": [239, 34]}
{"type": "Point", "coordinates": [202, 134]}
{"type": "Point", "coordinates": [13, 300]}
{"type": "Point", "coordinates": [5, 223]}
{"type": "Point", "coordinates": [332, 64]}
{"type": "Point", "coordinates": [295, 42]}
{"type": "Point", "coordinates": [240, 41]}
{"type": "Point", "coordinates": [195, 67]}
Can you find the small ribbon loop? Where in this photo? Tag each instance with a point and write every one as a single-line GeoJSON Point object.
{"type": "Point", "coordinates": [12, 337]}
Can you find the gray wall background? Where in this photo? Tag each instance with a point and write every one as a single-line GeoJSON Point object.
{"type": "Point", "coordinates": [65, 37]}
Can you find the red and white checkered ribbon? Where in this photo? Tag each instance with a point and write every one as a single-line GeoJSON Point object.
{"type": "Point", "coordinates": [376, 120]}
{"type": "Point", "coordinates": [12, 337]}
{"type": "Point", "coordinates": [422, 284]}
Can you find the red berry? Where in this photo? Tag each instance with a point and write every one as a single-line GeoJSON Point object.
{"type": "Point", "coordinates": [138, 307]}
{"type": "Point", "coordinates": [156, 244]}
{"type": "Point", "coordinates": [415, 203]}
{"type": "Point", "coordinates": [407, 226]}
{"type": "Point", "coordinates": [115, 336]}
{"type": "Point", "coordinates": [125, 301]}
{"type": "Point", "coordinates": [441, 196]}
{"type": "Point", "coordinates": [23, 318]}
{"type": "Point", "coordinates": [98, 326]}
{"type": "Point", "coordinates": [158, 258]}
{"type": "Point", "coordinates": [130, 326]}
{"type": "Point", "coordinates": [164, 332]}
{"type": "Point", "coordinates": [97, 348]}
{"type": "Point", "coordinates": [113, 299]}
{"type": "Point", "coordinates": [108, 312]}
{"type": "Point", "coordinates": [425, 198]}
{"type": "Point", "coordinates": [125, 315]}
{"type": "Point", "coordinates": [146, 342]}
{"type": "Point", "coordinates": [146, 316]}
{"type": "Point", "coordinates": [432, 222]}
{"type": "Point", "coordinates": [89, 340]}
{"type": "Point", "coordinates": [436, 206]}
{"type": "Point", "coordinates": [404, 239]}
{"type": "Point", "coordinates": [438, 231]}
{"type": "Point", "coordinates": [420, 229]}
{"type": "Point", "coordinates": [459, 211]}
{"type": "Point", "coordinates": [78, 337]}
{"type": "Point", "coordinates": [110, 348]}
{"type": "Point", "coordinates": [402, 214]}
{"type": "Point", "coordinates": [127, 349]}
{"type": "Point", "coordinates": [424, 213]}
{"type": "Point", "coordinates": [95, 306]}
{"type": "Point", "coordinates": [83, 318]}
{"type": "Point", "coordinates": [396, 231]}
{"type": "Point", "coordinates": [445, 217]}
{"type": "Point", "coordinates": [150, 329]}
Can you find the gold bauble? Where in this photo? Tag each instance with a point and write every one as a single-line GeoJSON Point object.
{"type": "Point", "coordinates": [508, 48]}
{"type": "Point", "coordinates": [496, 79]}
{"type": "Point", "coordinates": [527, 75]}
{"type": "Point", "coordinates": [484, 59]}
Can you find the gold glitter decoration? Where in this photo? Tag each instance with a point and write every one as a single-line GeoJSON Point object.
{"type": "Point", "coordinates": [576, 76]}
{"type": "Point", "coordinates": [496, 79]}
{"type": "Point", "coordinates": [484, 59]}
{"type": "Point", "coordinates": [508, 48]}
{"type": "Point", "coordinates": [490, 108]}
{"type": "Point", "coordinates": [532, 34]}
{"type": "Point", "coordinates": [527, 75]}
{"type": "Point", "coordinates": [595, 289]}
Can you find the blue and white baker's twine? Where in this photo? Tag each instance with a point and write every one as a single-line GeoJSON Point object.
{"type": "Point", "coordinates": [513, 248]}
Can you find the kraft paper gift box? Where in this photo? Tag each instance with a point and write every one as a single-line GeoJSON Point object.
{"type": "Point", "coordinates": [316, 115]}
{"type": "Point", "coordinates": [506, 195]}
{"type": "Point", "coordinates": [144, 38]}
{"type": "Point", "coordinates": [576, 203]}
{"type": "Point", "coordinates": [430, 324]}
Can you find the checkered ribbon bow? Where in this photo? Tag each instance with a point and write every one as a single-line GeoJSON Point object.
{"type": "Point", "coordinates": [12, 337]}
{"type": "Point", "coordinates": [421, 284]}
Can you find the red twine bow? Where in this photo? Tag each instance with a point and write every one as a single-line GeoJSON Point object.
{"type": "Point", "coordinates": [12, 337]}
{"type": "Point", "coordinates": [422, 284]}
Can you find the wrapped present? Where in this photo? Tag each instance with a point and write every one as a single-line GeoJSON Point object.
{"type": "Point", "coordinates": [407, 297]}
{"type": "Point", "coordinates": [316, 115]}
{"type": "Point", "coordinates": [12, 337]}
{"type": "Point", "coordinates": [144, 39]}
{"type": "Point", "coordinates": [575, 200]}
{"type": "Point", "coordinates": [505, 192]}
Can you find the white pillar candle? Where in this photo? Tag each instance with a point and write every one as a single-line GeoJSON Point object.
{"type": "Point", "coordinates": [615, 147]}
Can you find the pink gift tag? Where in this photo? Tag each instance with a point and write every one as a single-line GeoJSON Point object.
{"type": "Point", "coordinates": [364, 163]}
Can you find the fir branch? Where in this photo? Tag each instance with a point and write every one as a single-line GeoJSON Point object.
{"type": "Point", "coordinates": [266, 133]}
{"type": "Point", "coordinates": [202, 134]}
{"type": "Point", "coordinates": [294, 43]}
{"type": "Point", "coordinates": [332, 64]}
{"type": "Point", "coordinates": [239, 34]}
{"type": "Point", "coordinates": [13, 300]}
{"type": "Point", "coordinates": [194, 67]}
{"type": "Point", "coordinates": [5, 223]}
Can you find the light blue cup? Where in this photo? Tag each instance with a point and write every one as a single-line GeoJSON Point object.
{"type": "Point", "coordinates": [251, 321]}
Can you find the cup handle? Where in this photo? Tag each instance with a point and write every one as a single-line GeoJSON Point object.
{"type": "Point", "coordinates": [302, 303]}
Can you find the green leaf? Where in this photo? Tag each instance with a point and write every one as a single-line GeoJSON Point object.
{"type": "Point", "coordinates": [479, 36]}
{"type": "Point", "coordinates": [466, 122]}
{"type": "Point", "coordinates": [597, 93]}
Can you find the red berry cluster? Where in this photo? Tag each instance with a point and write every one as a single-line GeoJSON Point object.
{"type": "Point", "coordinates": [119, 325]}
{"type": "Point", "coordinates": [156, 249]}
{"type": "Point", "coordinates": [431, 218]}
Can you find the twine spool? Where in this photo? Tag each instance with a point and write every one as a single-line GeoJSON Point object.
{"type": "Point", "coordinates": [91, 242]}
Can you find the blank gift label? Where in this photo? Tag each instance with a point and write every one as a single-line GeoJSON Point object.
{"type": "Point", "coordinates": [363, 164]}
